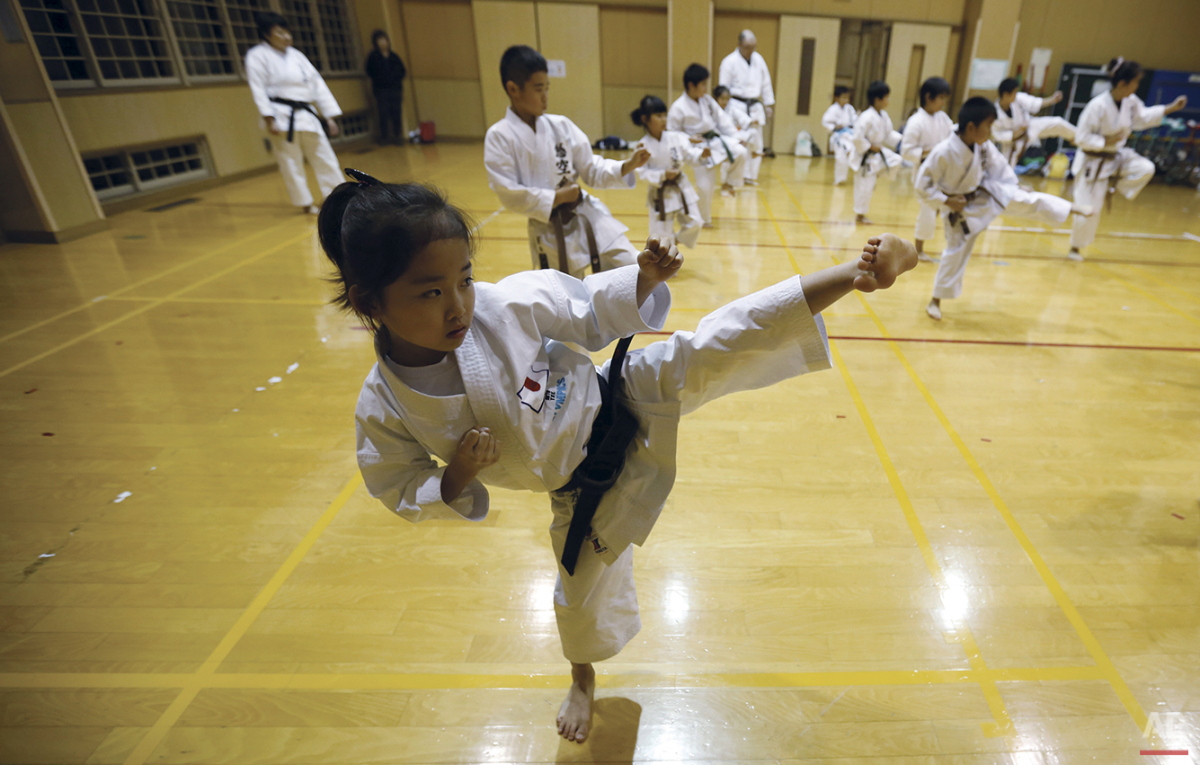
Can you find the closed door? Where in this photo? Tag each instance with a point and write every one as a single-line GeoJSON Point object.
{"type": "Point", "coordinates": [808, 48]}
{"type": "Point", "coordinates": [916, 53]}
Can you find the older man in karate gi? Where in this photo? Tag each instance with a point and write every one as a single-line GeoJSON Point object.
{"type": "Point", "coordinates": [745, 73]}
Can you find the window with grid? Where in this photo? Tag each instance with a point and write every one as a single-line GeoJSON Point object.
{"type": "Point", "coordinates": [353, 126]}
{"type": "Point", "coordinates": [200, 35]}
{"type": "Point", "coordinates": [127, 39]}
{"type": "Point", "coordinates": [109, 175]}
{"type": "Point", "coordinates": [336, 33]}
{"type": "Point", "coordinates": [242, 24]}
{"type": "Point", "coordinates": [304, 32]}
{"type": "Point", "coordinates": [56, 40]}
{"type": "Point", "coordinates": [167, 165]}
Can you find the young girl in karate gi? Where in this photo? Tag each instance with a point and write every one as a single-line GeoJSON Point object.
{"type": "Point", "coordinates": [1016, 128]}
{"type": "Point", "coordinates": [873, 138]}
{"type": "Point", "coordinates": [839, 121]}
{"type": "Point", "coordinates": [749, 131]}
{"type": "Point", "coordinates": [535, 162]}
{"type": "Point", "coordinates": [1103, 164]}
{"type": "Point", "coordinates": [926, 128]}
{"type": "Point", "coordinates": [485, 378]}
{"type": "Point", "coordinates": [670, 197]}
{"type": "Point", "coordinates": [967, 178]}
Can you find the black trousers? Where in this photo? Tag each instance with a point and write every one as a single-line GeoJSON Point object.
{"type": "Point", "coordinates": [389, 102]}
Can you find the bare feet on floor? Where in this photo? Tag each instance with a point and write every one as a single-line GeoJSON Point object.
{"type": "Point", "coordinates": [575, 715]}
{"type": "Point", "coordinates": [862, 220]}
{"type": "Point", "coordinates": [934, 309]}
{"type": "Point", "coordinates": [1075, 254]}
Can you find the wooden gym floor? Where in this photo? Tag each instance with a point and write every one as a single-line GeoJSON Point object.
{"type": "Point", "coordinates": [971, 542]}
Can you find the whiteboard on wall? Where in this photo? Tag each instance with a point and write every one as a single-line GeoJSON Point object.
{"type": "Point", "coordinates": [988, 73]}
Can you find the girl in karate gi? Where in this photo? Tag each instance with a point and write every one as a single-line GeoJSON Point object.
{"type": "Point", "coordinates": [1103, 164]}
{"type": "Point", "coordinates": [670, 197]}
{"type": "Point", "coordinates": [873, 138]}
{"type": "Point", "coordinates": [535, 162]}
{"type": "Point", "coordinates": [749, 132]}
{"type": "Point", "coordinates": [926, 128]}
{"type": "Point", "coordinates": [839, 121]}
{"type": "Point", "coordinates": [967, 178]}
{"type": "Point", "coordinates": [288, 92]}
{"type": "Point", "coordinates": [1016, 129]}
{"type": "Point", "coordinates": [485, 378]}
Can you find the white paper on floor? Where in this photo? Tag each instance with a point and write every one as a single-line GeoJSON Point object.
{"type": "Point", "coordinates": [274, 380]}
{"type": "Point", "coordinates": [293, 367]}
{"type": "Point", "coordinates": [123, 496]}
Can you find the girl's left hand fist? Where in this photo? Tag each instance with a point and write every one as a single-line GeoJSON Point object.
{"type": "Point", "coordinates": [659, 261]}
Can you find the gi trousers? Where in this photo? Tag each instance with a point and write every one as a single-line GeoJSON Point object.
{"type": "Point", "coordinates": [290, 156]}
{"type": "Point", "coordinates": [1132, 172]}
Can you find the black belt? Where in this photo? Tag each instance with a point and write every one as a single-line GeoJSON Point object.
{"type": "Point", "coordinates": [714, 134]}
{"type": "Point", "coordinates": [303, 105]}
{"type": "Point", "coordinates": [748, 101]}
{"type": "Point", "coordinates": [660, 207]}
{"type": "Point", "coordinates": [612, 433]}
{"type": "Point", "coordinates": [561, 216]}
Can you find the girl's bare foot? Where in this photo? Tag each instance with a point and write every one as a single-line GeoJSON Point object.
{"type": "Point", "coordinates": [575, 715]}
{"type": "Point", "coordinates": [1074, 254]}
{"type": "Point", "coordinates": [863, 220]}
{"type": "Point", "coordinates": [727, 190]}
{"type": "Point", "coordinates": [921, 256]}
{"type": "Point", "coordinates": [934, 309]}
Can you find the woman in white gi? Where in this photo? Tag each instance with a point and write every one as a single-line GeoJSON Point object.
{"type": "Point", "coordinates": [297, 110]}
{"type": "Point", "coordinates": [535, 162]}
{"type": "Point", "coordinates": [700, 117]}
{"type": "Point", "coordinates": [967, 178]}
{"type": "Point", "coordinates": [670, 196]}
{"type": "Point", "coordinates": [1016, 129]}
{"type": "Point", "coordinates": [926, 128]}
{"type": "Point", "coordinates": [839, 121]}
{"type": "Point", "coordinates": [1103, 164]}
{"type": "Point", "coordinates": [482, 376]}
{"type": "Point", "coordinates": [744, 72]}
{"type": "Point", "coordinates": [873, 140]}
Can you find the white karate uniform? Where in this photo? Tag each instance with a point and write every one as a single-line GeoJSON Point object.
{"type": "Point", "coordinates": [952, 168]}
{"type": "Point", "coordinates": [695, 118]}
{"type": "Point", "coordinates": [290, 75]}
{"type": "Point", "coordinates": [922, 132]}
{"type": "Point", "coordinates": [526, 167]}
{"type": "Point", "coordinates": [672, 152]}
{"type": "Point", "coordinates": [749, 79]}
{"type": "Point", "coordinates": [872, 127]}
{"type": "Point", "coordinates": [839, 121]}
{"type": "Point", "coordinates": [746, 132]}
{"type": "Point", "coordinates": [1101, 118]}
{"type": "Point", "coordinates": [1022, 109]}
{"type": "Point", "coordinates": [539, 397]}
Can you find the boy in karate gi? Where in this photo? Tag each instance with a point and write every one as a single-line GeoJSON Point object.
{"type": "Point", "coordinates": [702, 119]}
{"type": "Point", "coordinates": [873, 137]}
{"type": "Point", "coordinates": [745, 124]}
{"type": "Point", "coordinates": [289, 92]}
{"type": "Point", "coordinates": [1016, 129]}
{"type": "Point", "coordinates": [926, 128]}
{"type": "Point", "coordinates": [839, 121]}
{"type": "Point", "coordinates": [535, 162]}
{"type": "Point", "coordinates": [968, 178]}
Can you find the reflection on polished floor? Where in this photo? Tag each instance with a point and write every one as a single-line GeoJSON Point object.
{"type": "Point", "coordinates": [972, 542]}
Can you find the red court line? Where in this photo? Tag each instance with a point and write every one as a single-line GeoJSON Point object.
{"type": "Point", "coordinates": [1013, 343]}
{"type": "Point", "coordinates": [1164, 751]}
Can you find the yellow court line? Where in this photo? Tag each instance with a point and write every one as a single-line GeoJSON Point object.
{"type": "Point", "coordinates": [168, 719]}
{"type": "Point", "coordinates": [1147, 293]}
{"type": "Point", "coordinates": [449, 681]}
{"type": "Point", "coordinates": [962, 632]}
{"type": "Point", "coordinates": [156, 302]}
{"type": "Point", "coordinates": [1147, 275]}
{"type": "Point", "coordinates": [1132, 707]}
{"type": "Point", "coordinates": [142, 282]}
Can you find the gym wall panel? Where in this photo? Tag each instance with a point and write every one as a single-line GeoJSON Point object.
{"type": "Point", "coordinates": [506, 23]}
{"type": "Point", "coordinates": [441, 40]}
{"type": "Point", "coordinates": [936, 40]}
{"type": "Point", "coordinates": [939, 11]}
{"type": "Point", "coordinates": [691, 34]}
{"type": "Point", "coordinates": [619, 101]}
{"type": "Point", "coordinates": [571, 33]}
{"type": "Point", "coordinates": [792, 31]}
{"type": "Point", "coordinates": [455, 105]}
{"type": "Point", "coordinates": [47, 149]}
{"type": "Point", "coordinates": [633, 63]}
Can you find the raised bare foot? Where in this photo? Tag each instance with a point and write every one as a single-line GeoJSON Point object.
{"type": "Point", "coordinates": [883, 259]}
{"type": "Point", "coordinates": [1086, 211]}
{"type": "Point", "coordinates": [575, 714]}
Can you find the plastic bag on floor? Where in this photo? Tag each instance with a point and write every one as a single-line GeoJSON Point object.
{"type": "Point", "coordinates": [804, 144]}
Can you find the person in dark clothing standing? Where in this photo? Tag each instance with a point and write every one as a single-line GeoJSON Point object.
{"type": "Point", "coordinates": [387, 73]}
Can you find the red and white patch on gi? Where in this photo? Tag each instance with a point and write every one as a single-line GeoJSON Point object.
{"type": "Point", "coordinates": [533, 392]}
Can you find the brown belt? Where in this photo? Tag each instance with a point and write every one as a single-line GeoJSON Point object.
{"type": "Point", "coordinates": [660, 207]}
{"type": "Point", "coordinates": [562, 216]}
{"type": "Point", "coordinates": [1103, 156]}
{"type": "Point", "coordinates": [957, 219]}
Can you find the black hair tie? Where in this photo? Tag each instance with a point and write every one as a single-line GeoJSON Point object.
{"type": "Point", "coordinates": [362, 178]}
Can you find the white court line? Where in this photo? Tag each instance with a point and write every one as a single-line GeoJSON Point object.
{"type": "Point", "coordinates": [486, 220]}
{"type": "Point", "coordinates": [1190, 235]}
{"type": "Point", "coordinates": [1123, 234]}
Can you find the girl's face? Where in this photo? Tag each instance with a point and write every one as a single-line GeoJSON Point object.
{"type": "Point", "coordinates": [723, 101]}
{"type": "Point", "coordinates": [1122, 89]}
{"type": "Point", "coordinates": [428, 310]}
{"type": "Point", "coordinates": [280, 38]}
{"type": "Point", "coordinates": [655, 123]}
{"type": "Point", "coordinates": [934, 105]}
{"type": "Point", "coordinates": [881, 103]}
{"type": "Point", "coordinates": [843, 99]}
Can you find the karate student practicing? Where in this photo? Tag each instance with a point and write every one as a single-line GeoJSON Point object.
{"type": "Point", "coordinates": [1103, 164]}
{"type": "Point", "coordinates": [700, 117]}
{"type": "Point", "coordinates": [535, 162]}
{"type": "Point", "coordinates": [1016, 129]}
{"type": "Point", "coordinates": [873, 138]}
{"type": "Point", "coordinates": [744, 72]}
{"type": "Point", "coordinates": [670, 197]}
{"type": "Point", "coordinates": [968, 178]}
{"type": "Point", "coordinates": [839, 121]}
{"type": "Point", "coordinates": [926, 128]}
{"type": "Point", "coordinates": [297, 110]}
{"type": "Point", "coordinates": [741, 120]}
{"type": "Point", "coordinates": [482, 377]}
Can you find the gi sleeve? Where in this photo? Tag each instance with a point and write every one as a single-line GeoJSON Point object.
{"type": "Point", "coordinates": [829, 119]}
{"type": "Point", "coordinates": [998, 169]}
{"type": "Point", "coordinates": [1032, 104]}
{"type": "Point", "coordinates": [594, 170]}
{"type": "Point", "coordinates": [862, 144]}
{"type": "Point", "coordinates": [399, 472]}
{"type": "Point", "coordinates": [499, 158]}
{"type": "Point", "coordinates": [725, 125]}
{"type": "Point", "coordinates": [321, 95]}
{"type": "Point", "coordinates": [593, 312]}
{"type": "Point", "coordinates": [1087, 133]}
{"type": "Point", "coordinates": [675, 119]}
{"type": "Point", "coordinates": [1003, 135]}
{"type": "Point", "coordinates": [913, 140]}
{"type": "Point", "coordinates": [927, 186]}
{"type": "Point", "coordinates": [768, 92]}
{"type": "Point", "coordinates": [258, 77]}
{"type": "Point", "coordinates": [726, 75]}
{"type": "Point", "coordinates": [650, 175]}
{"type": "Point", "coordinates": [1146, 117]}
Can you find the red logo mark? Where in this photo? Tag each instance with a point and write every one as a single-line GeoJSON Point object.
{"type": "Point", "coordinates": [531, 385]}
